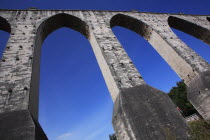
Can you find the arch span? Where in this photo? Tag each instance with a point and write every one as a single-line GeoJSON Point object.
{"type": "Point", "coordinates": [61, 20]}
{"type": "Point", "coordinates": [158, 42]}
{"type": "Point", "coordinates": [131, 23]}
{"type": "Point", "coordinates": [45, 28]}
{"type": "Point", "coordinates": [146, 59]}
{"type": "Point", "coordinates": [189, 28]}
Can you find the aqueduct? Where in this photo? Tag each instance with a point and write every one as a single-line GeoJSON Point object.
{"type": "Point", "coordinates": [141, 112]}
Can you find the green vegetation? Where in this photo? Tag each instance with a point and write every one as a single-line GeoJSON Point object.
{"type": "Point", "coordinates": [199, 130]}
{"type": "Point", "coordinates": [179, 96]}
{"type": "Point", "coordinates": [112, 137]}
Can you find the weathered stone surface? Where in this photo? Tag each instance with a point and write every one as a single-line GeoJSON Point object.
{"type": "Point", "coordinates": [145, 113]}
{"type": "Point", "coordinates": [19, 125]}
{"type": "Point", "coordinates": [199, 94]}
{"type": "Point", "coordinates": [19, 66]}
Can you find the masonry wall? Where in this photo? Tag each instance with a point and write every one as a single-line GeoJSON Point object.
{"type": "Point", "coordinates": [19, 66]}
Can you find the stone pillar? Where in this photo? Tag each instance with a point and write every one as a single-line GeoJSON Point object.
{"type": "Point", "coordinates": [199, 85]}
{"type": "Point", "coordinates": [141, 111]}
{"type": "Point", "coordinates": [117, 68]}
{"type": "Point", "coordinates": [16, 121]}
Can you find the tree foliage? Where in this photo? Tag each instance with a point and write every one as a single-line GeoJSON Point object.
{"type": "Point", "coordinates": [199, 130]}
{"type": "Point", "coordinates": [112, 137]}
{"type": "Point", "coordinates": [178, 95]}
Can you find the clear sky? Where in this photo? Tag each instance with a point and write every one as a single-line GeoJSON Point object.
{"type": "Point", "coordinates": [74, 101]}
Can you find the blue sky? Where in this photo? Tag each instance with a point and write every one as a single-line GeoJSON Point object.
{"type": "Point", "coordinates": [74, 101]}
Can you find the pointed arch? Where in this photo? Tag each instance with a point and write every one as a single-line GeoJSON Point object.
{"type": "Point", "coordinates": [149, 34]}
{"type": "Point", "coordinates": [58, 21]}
{"type": "Point", "coordinates": [45, 28]}
{"type": "Point", "coordinates": [189, 28]}
{"type": "Point", "coordinates": [130, 23]}
{"type": "Point", "coordinates": [68, 72]}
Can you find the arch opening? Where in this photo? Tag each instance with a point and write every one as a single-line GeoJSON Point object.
{"type": "Point", "coordinates": [153, 68]}
{"type": "Point", "coordinates": [130, 23]}
{"type": "Point", "coordinates": [70, 98]}
{"type": "Point", "coordinates": [77, 74]}
{"type": "Point", "coordinates": [189, 34]}
{"type": "Point", "coordinates": [5, 30]}
{"type": "Point", "coordinates": [189, 28]}
{"type": "Point", "coordinates": [3, 42]}
{"type": "Point", "coordinates": [58, 21]}
{"type": "Point", "coordinates": [45, 28]}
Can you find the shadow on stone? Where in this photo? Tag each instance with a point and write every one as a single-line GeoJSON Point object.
{"type": "Point", "coordinates": [19, 125]}
{"type": "Point", "coordinates": [144, 112]}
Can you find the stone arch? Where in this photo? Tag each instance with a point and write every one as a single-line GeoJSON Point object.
{"type": "Point", "coordinates": [189, 28]}
{"type": "Point", "coordinates": [45, 28]}
{"type": "Point", "coordinates": [58, 21]}
{"type": "Point", "coordinates": [131, 23]}
{"type": "Point", "coordinates": [146, 31]}
{"type": "Point", "coordinates": [208, 18]}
